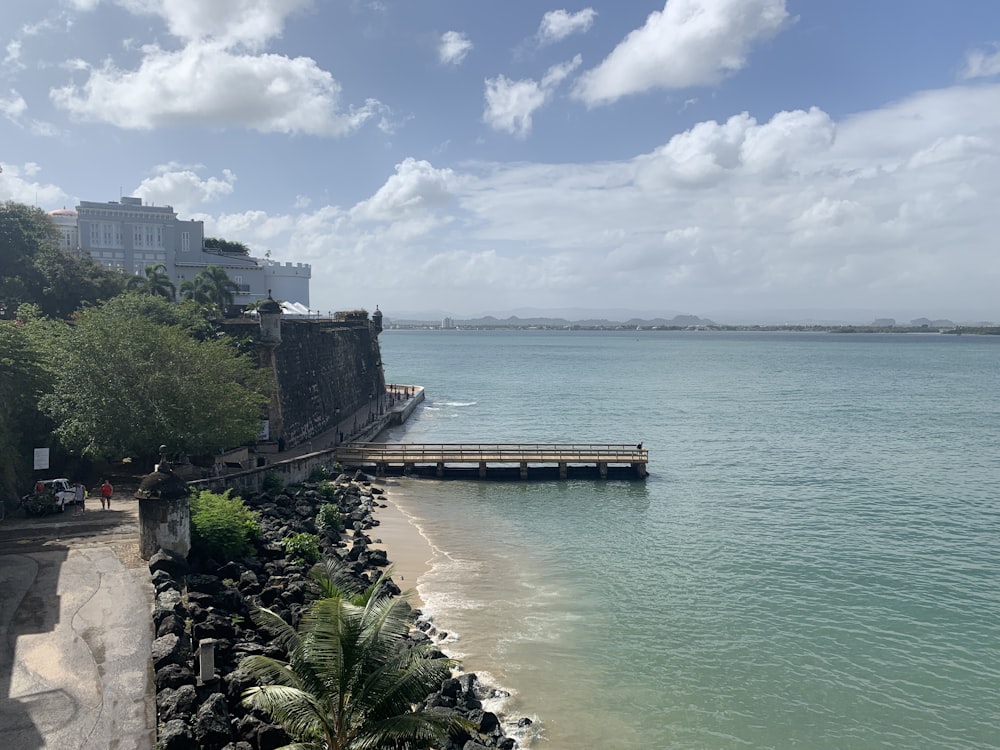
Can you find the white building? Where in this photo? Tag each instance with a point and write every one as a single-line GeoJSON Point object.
{"type": "Point", "coordinates": [65, 219]}
{"type": "Point", "coordinates": [130, 236]}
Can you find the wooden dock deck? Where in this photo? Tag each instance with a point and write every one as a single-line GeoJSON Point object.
{"type": "Point", "coordinates": [498, 460]}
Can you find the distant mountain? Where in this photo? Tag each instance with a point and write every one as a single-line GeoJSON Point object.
{"type": "Point", "coordinates": [514, 321]}
{"type": "Point", "coordinates": [589, 318]}
{"type": "Point", "coordinates": [566, 313]}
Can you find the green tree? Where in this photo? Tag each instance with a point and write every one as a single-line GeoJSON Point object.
{"type": "Point", "coordinates": [23, 380]}
{"type": "Point", "coordinates": [33, 269]}
{"type": "Point", "coordinates": [125, 384]}
{"type": "Point", "coordinates": [230, 247]}
{"type": "Point", "coordinates": [156, 283]}
{"type": "Point", "coordinates": [349, 682]}
{"type": "Point", "coordinates": [211, 288]}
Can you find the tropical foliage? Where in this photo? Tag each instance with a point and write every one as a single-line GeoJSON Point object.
{"type": "Point", "coordinates": [124, 384]}
{"type": "Point", "coordinates": [23, 380]}
{"type": "Point", "coordinates": [222, 526]}
{"type": "Point", "coordinates": [302, 547]}
{"type": "Point", "coordinates": [34, 270]}
{"type": "Point", "coordinates": [212, 288]}
{"type": "Point", "coordinates": [349, 682]}
{"type": "Point", "coordinates": [156, 282]}
{"type": "Point", "coordinates": [226, 246]}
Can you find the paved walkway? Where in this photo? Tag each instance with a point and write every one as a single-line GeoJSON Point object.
{"type": "Point", "coordinates": [76, 632]}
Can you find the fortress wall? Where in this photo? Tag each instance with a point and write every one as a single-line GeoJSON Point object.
{"type": "Point", "coordinates": [321, 366]}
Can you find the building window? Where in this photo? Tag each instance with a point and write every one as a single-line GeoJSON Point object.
{"type": "Point", "coordinates": [137, 236]}
{"type": "Point", "coordinates": [185, 241]}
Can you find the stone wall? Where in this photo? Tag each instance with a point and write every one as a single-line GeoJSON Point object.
{"type": "Point", "coordinates": [323, 368]}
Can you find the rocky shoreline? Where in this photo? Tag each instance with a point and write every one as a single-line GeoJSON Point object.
{"type": "Point", "coordinates": [202, 600]}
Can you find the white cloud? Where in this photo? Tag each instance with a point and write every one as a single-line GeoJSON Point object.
{"type": "Point", "coordinates": [18, 183]}
{"type": "Point", "coordinates": [511, 104]}
{"type": "Point", "coordinates": [205, 84]}
{"type": "Point", "coordinates": [556, 25]}
{"type": "Point", "coordinates": [453, 47]}
{"type": "Point", "coordinates": [247, 22]}
{"type": "Point", "coordinates": [12, 58]}
{"type": "Point", "coordinates": [981, 64]}
{"type": "Point", "coordinates": [688, 43]}
{"type": "Point", "coordinates": [415, 187]}
{"type": "Point", "coordinates": [710, 151]}
{"type": "Point", "coordinates": [182, 188]}
{"type": "Point", "coordinates": [13, 107]}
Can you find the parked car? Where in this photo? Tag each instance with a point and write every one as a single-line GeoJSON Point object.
{"type": "Point", "coordinates": [50, 496]}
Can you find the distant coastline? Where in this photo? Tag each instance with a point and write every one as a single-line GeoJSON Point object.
{"type": "Point", "coordinates": [983, 330]}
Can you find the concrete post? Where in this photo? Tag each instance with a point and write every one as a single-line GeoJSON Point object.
{"type": "Point", "coordinates": [206, 661]}
{"type": "Point", "coordinates": [524, 470]}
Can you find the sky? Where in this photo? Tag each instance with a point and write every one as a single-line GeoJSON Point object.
{"type": "Point", "coordinates": [469, 157]}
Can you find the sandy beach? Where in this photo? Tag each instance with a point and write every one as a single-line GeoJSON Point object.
{"type": "Point", "coordinates": [408, 550]}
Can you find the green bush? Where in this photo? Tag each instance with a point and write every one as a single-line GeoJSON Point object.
{"type": "Point", "coordinates": [327, 490]}
{"type": "Point", "coordinates": [272, 483]}
{"type": "Point", "coordinates": [302, 547]}
{"type": "Point", "coordinates": [319, 474]}
{"type": "Point", "coordinates": [222, 526]}
{"type": "Point", "coordinates": [329, 517]}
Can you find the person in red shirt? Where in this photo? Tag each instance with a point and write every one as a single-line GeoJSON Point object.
{"type": "Point", "coordinates": [106, 492]}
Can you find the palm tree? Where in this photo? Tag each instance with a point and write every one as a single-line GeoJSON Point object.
{"type": "Point", "coordinates": [218, 287]}
{"type": "Point", "coordinates": [194, 289]}
{"type": "Point", "coordinates": [156, 283]}
{"type": "Point", "coordinates": [350, 683]}
{"type": "Point", "coordinates": [211, 288]}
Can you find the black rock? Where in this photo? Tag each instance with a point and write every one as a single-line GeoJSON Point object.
{"type": "Point", "coordinates": [173, 676]}
{"type": "Point", "coordinates": [171, 623]}
{"type": "Point", "coordinates": [176, 735]}
{"type": "Point", "coordinates": [170, 562]}
{"type": "Point", "coordinates": [211, 724]}
{"type": "Point", "coordinates": [168, 649]}
{"type": "Point", "coordinates": [176, 703]}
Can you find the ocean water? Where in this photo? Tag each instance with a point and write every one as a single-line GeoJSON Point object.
{"type": "Point", "coordinates": [814, 561]}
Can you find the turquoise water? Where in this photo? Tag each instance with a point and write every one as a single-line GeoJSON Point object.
{"type": "Point", "coordinates": [814, 561]}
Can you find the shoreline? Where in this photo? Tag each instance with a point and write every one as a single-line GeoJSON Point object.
{"type": "Point", "coordinates": [409, 552]}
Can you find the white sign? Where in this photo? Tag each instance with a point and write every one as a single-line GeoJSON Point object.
{"type": "Point", "coordinates": [41, 458]}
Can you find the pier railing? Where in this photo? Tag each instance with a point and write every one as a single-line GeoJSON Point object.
{"type": "Point", "coordinates": [487, 457]}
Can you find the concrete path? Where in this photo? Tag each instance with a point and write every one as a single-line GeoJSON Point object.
{"type": "Point", "coordinates": [75, 632]}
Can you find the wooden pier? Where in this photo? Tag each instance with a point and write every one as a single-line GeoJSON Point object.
{"type": "Point", "coordinates": [498, 460]}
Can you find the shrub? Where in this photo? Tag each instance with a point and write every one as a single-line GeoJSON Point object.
{"type": "Point", "coordinates": [329, 518]}
{"type": "Point", "coordinates": [302, 547]}
{"type": "Point", "coordinates": [222, 526]}
{"type": "Point", "coordinates": [272, 483]}
{"type": "Point", "coordinates": [327, 490]}
{"type": "Point", "coordinates": [319, 474]}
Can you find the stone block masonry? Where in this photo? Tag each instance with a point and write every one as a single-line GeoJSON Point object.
{"type": "Point", "coordinates": [324, 371]}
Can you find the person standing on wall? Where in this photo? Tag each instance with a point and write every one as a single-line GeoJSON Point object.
{"type": "Point", "coordinates": [106, 491]}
